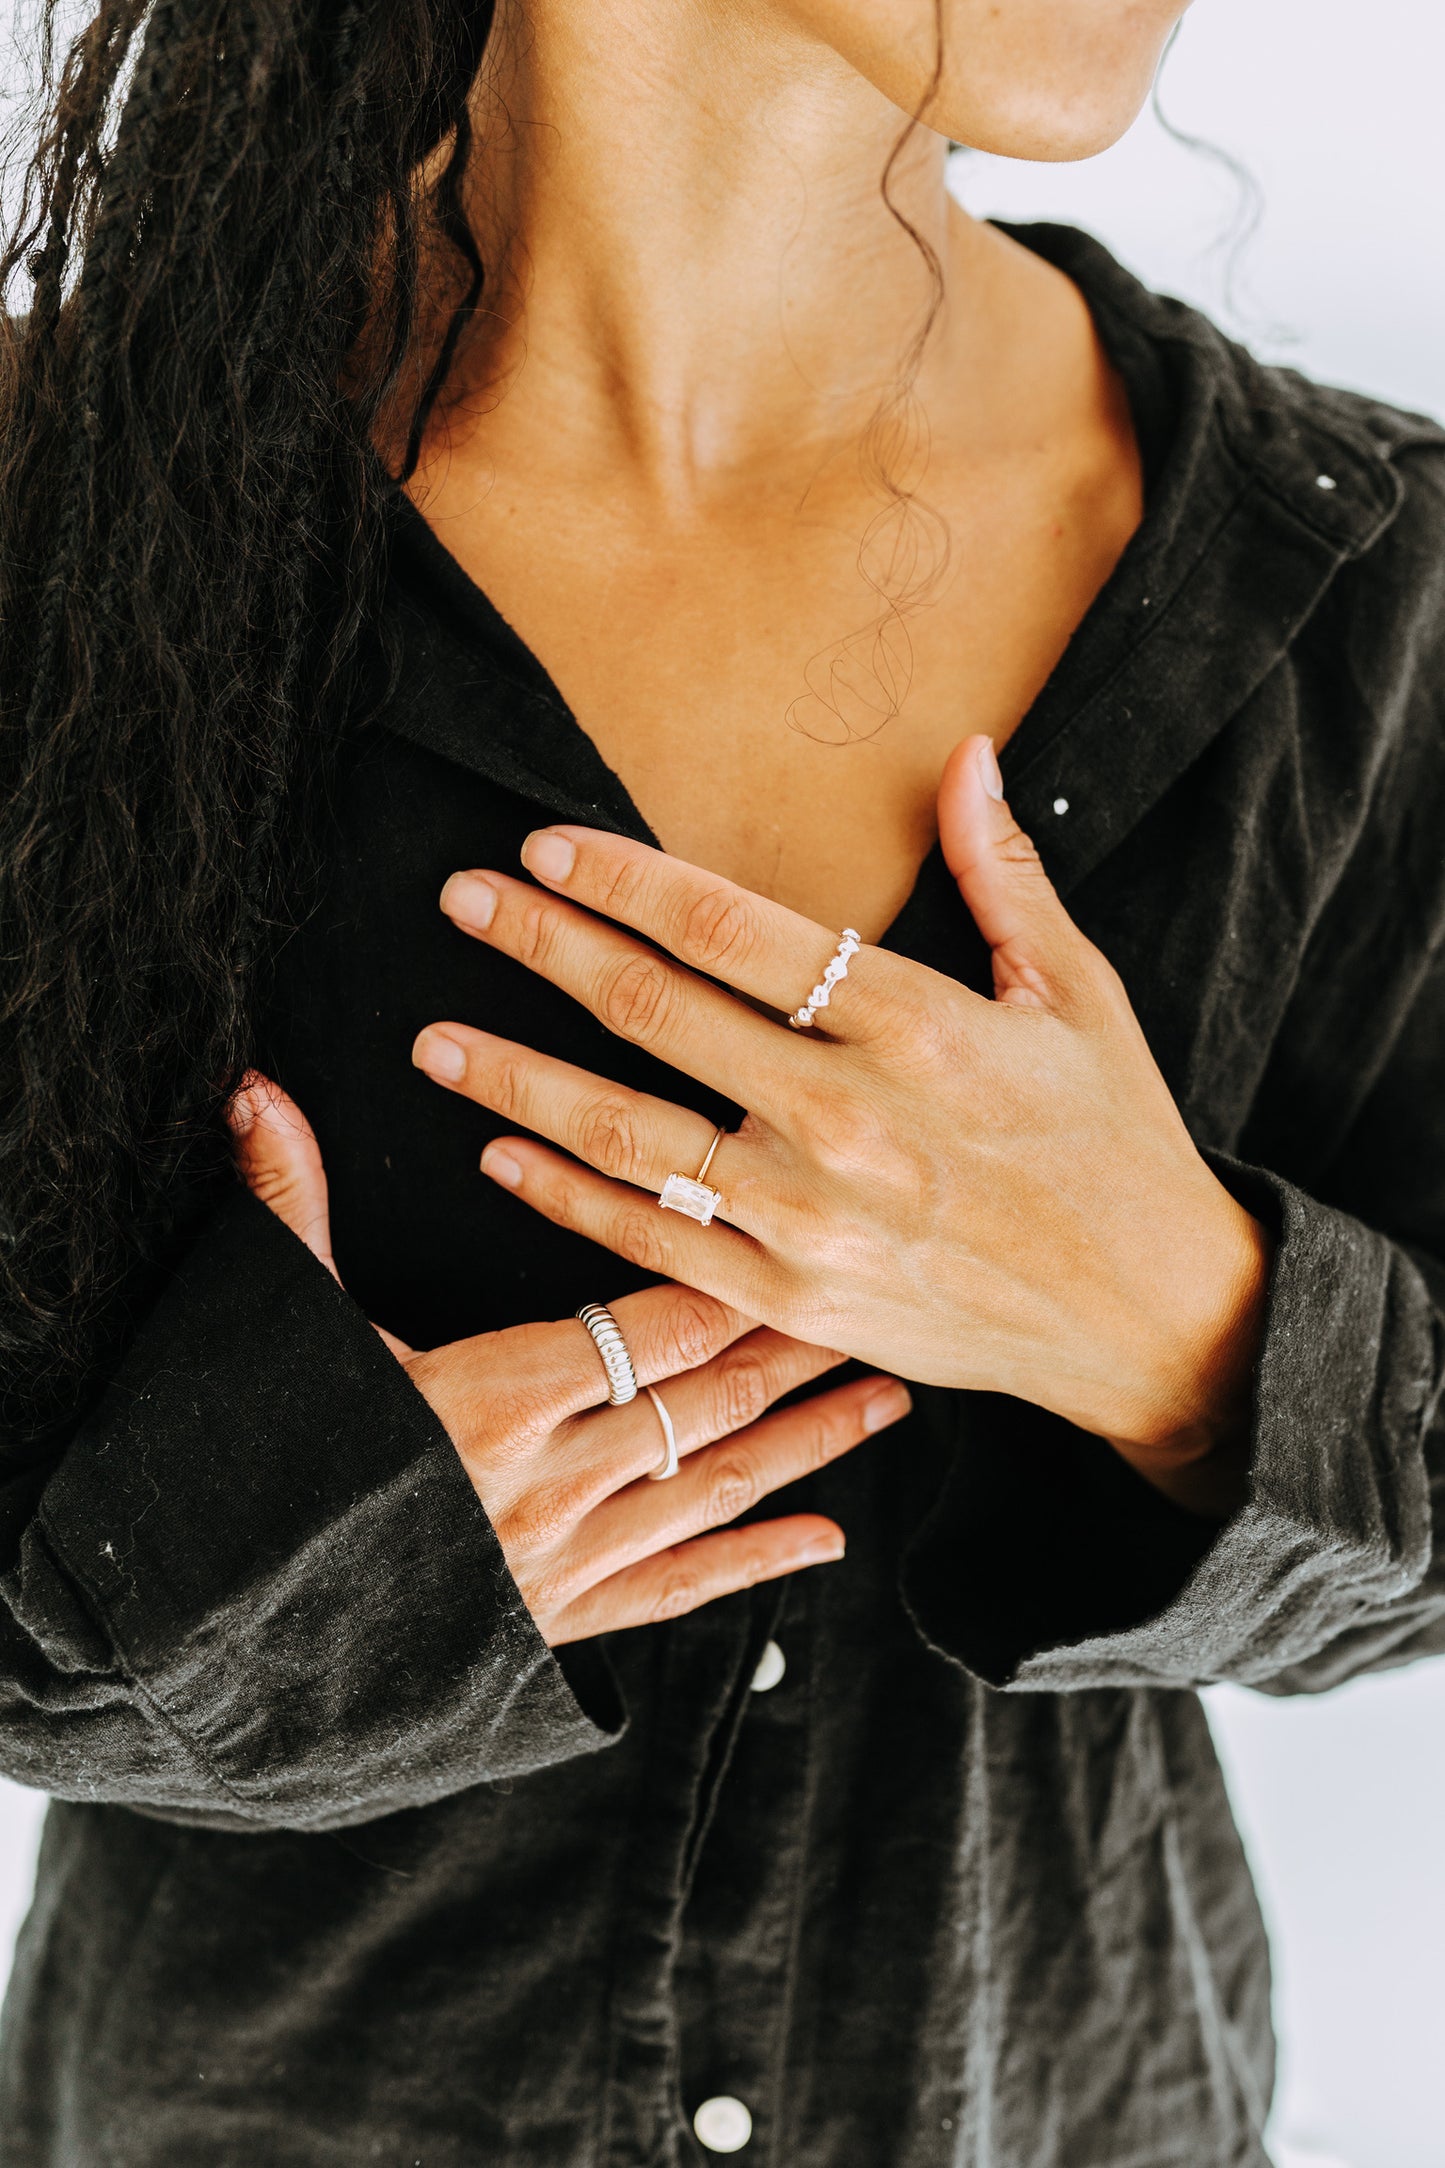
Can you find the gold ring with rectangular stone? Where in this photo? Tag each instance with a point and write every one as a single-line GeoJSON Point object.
{"type": "Point", "coordinates": [689, 1194]}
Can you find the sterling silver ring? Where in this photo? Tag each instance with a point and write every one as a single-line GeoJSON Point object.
{"type": "Point", "coordinates": [668, 1464]}
{"type": "Point", "coordinates": [689, 1193]}
{"type": "Point", "coordinates": [610, 1345]}
{"type": "Point", "coordinates": [848, 946]}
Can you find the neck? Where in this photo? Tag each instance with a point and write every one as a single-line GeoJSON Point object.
{"type": "Point", "coordinates": [694, 275]}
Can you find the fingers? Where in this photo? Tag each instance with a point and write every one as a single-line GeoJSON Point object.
{"type": "Point", "coordinates": [718, 1484]}
{"type": "Point", "coordinates": [1036, 946]}
{"type": "Point", "coordinates": [609, 1448]}
{"type": "Point", "coordinates": [505, 1390]}
{"type": "Point", "coordinates": [722, 1261]}
{"type": "Point", "coordinates": [759, 947]}
{"type": "Point", "coordinates": [637, 994]}
{"type": "Point", "coordinates": [682, 1579]}
{"type": "Point", "coordinates": [276, 1151]}
{"type": "Point", "coordinates": [629, 1135]}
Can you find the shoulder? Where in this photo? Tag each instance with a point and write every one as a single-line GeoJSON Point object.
{"type": "Point", "coordinates": [1352, 477]}
{"type": "Point", "coordinates": [1322, 510]}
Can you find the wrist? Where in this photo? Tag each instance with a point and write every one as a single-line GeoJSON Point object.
{"type": "Point", "coordinates": [1192, 1441]}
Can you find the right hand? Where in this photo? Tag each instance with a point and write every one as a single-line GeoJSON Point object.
{"type": "Point", "coordinates": [591, 1544]}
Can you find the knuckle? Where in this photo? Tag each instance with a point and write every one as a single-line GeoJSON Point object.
{"type": "Point", "coordinates": [608, 1136]}
{"type": "Point", "coordinates": [732, 1486]}
{"type": "Point", "coordinates": [620, 883]}
{"type": "Point", "coordinates": [743, 1389]}
{"type": "Point", "coordinates": [633, 998]}
{"type": "Point", "coordinates": [718, 929]}
{"type": "Point", "coordinates": [933, 1037]}
{"type": "Point", "coordinates": [1018, 849]}
{"type": "Point", "coordinates": [851, 1136]}
{"type": "Point", "coordinates": [541, 1521]}
{"type": "Point", "coordinates": [638, 1237]}
{"type": "Point", "coordinates": [508, 1416]}
{"type": "Point", "coordinates": [679, 1590]}
{"type": "Point", "coordinates": [695, 1326]}
{"type": "Point", "coordinates": [832, 1431]}
{"type": "Point", "coordinates": [536, 928]}
{"type": "Point", "coordinates": [507, 1092]}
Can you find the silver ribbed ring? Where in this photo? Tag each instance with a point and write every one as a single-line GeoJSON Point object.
{"type": "Point", "coordinates": [610, 1345]}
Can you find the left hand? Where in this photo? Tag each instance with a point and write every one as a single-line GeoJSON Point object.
{"type": "Point", "coordinates": [998, 1195]}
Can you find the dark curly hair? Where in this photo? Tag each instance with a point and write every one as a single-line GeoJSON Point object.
{"type": "Point", "coordinates": [250, 264]}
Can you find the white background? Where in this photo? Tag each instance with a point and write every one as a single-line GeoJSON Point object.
{"type": "Point", "coordinates": [1335, 107]}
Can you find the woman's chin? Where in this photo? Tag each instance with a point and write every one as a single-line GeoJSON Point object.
{"type": "Point", "coordinates": [1045, 125]}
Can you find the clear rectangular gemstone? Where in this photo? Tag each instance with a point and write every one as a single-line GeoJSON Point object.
{"type": "Point", "coordinates": [681, 1194]}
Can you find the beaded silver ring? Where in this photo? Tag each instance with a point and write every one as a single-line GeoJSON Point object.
{"type": "Point", "coordinates": [848, 946]}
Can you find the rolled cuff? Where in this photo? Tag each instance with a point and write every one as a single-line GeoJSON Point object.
{"type": "Point", "coordinates": [1049, 1566]}
{"type": "Point", "coordinates": [276, 1537]}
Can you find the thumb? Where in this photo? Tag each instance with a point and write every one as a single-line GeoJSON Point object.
{"type": "Point", "coordinates": [1037, 948]}
{"type": "Point", "coordinates": [276, 1151]}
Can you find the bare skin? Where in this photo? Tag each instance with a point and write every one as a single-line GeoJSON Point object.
{"type": "Point", "coordinates": [661, 466]}
{"type": "Point", "coordinates": [591, 1543]}
{"type": "Point", "coordinates": [664, 473]}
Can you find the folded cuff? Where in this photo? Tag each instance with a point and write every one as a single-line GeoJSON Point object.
{"type": "Point", "coordinates": [1049, 1565]}
{"type": "Point", "coordinates": [288, 1558]}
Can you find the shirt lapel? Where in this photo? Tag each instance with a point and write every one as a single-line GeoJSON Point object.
{"type": "Point", "coordinates": [1268, 486]}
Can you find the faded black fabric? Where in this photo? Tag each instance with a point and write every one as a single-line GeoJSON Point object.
{"type": "Point", "coordinates": [351, 1868]}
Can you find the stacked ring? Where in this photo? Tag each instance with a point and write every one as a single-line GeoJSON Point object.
{"type": "Point", "coordinates": [689, 1193]}
{"type": "Point", "coordinates": [848, 947]}
{"type": "Point", "coordinates": [610, 1345]}
{"type": "Point", "coordinates": [668, 1464]}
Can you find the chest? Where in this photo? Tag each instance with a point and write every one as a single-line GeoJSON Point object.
{"type": "Point", "coordinates": [1188, 909]}
{"type": "Point", "coordinates": [778, 693]}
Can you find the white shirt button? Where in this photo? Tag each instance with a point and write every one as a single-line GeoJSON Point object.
{"type": "Point", "coordinates": [771, 1666]}
{"type": "Point", "coordinates": [723, 2124]}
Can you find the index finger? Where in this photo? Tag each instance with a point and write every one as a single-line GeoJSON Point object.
{"type": "Point", "coordinates": [758, 947]}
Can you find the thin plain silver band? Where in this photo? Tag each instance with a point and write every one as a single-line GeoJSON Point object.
{"type": "Point", "coordinates": [669, 1458]}
{"type": "Point", "coordinates": [610, 1345]}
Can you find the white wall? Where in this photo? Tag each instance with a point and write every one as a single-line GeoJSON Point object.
{"type": "Point", "coordinates": [1335, 107]}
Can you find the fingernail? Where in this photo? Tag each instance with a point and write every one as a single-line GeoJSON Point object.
{"type": "Point", "coordinates": [821, 1550]}
{"type": "Point", "coordinates": [439, 1056]}
{"type": "Point", "coordinates": [501, 1166]}
{"type": "Point", "coordinates": [470, 900]}
{"type": "Point", "coordinates": [988, 769]}
{"type": "Point", "coordinates": [550, 856]}
{"type": "Point", "coordinates": [886, 1407]}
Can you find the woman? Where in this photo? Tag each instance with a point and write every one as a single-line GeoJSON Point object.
{"type": "Point", "coordinates": [582, 466]}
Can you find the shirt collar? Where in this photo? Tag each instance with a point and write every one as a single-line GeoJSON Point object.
{"type": "Point", "coordinates": [1267, 485]}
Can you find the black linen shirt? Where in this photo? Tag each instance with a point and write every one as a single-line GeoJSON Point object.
{"type": "Point", "coordinates": [348, 1867]}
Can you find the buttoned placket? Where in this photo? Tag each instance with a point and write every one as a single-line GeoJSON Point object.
{"type": "Point", "coordinates": [709, 1915]}
{"type": "Point", "coordinates": [736, 1974]}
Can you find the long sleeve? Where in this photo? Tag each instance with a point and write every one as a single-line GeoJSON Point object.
{"type": "Point", "coordinates": [1048, 1566]}
{"type": "Point", "coordinates": [258, 1587]}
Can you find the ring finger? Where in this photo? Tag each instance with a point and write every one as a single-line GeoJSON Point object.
{"type": "Point", "coordinates": [626, 1134]}
{"type": "Point", "coordinates": [609, 1448]}
{"type": "Point", "coordinates": [733, 1475]}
